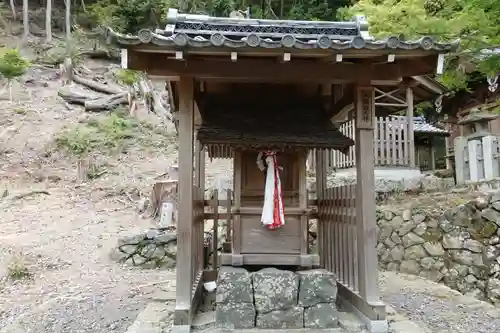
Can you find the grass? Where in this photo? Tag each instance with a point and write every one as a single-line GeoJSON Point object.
{"type": "Point", "coordinates": [18, 269]}
{"type": "Point", "coordinates": [113, 133]}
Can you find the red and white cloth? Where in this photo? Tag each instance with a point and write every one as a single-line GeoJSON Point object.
{"type": "Point", "coordinates": [272, 213]}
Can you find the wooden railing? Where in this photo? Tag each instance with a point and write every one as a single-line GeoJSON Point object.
{"type": "Point", "coordinates": [391, 148]}
{"type": "Point", "coordinates": [337, 235]}
{"type": "Point", "coordinates": [213, 212]}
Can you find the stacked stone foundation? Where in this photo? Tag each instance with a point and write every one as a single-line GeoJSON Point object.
{"type": "Point", "coordinates": [276, 299]}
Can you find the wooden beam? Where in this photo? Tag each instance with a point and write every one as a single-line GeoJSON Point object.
{"type": "Point", "coordinates": [411, 133]}
{"type": "Point", "coordinates": [185, 278]}
{"type": "Point", "coordinates": [273, 70]}
{"type": "Point", "coordinates": [344, 104]}
{"type": "Point", "coordinates": [365, 198]}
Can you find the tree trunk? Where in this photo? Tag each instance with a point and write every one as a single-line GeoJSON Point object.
{"type": "Point", "coordinates": [26, 24]}
{"type": "Point", "coordinates": [68, 22]}
{"type": "Point", "coordinates": [48, 22]}
{"type": "Point", "coordinates": [13, 9]}
{"type": "Point", "coordinates": [163, 191]}
{"type": "Point", "coordinates": [96, 86]}
{"type": "Point", "coordinates": [74, 97]}
{"type": "Point", "coordinates": [106, 103]}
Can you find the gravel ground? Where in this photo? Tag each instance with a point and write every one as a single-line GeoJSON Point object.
{"type": "Point", "coordinates": [437, 308]}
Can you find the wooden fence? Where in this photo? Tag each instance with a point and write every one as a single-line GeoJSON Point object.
{"type": "Point", "coordinates": [197, 242]}
{"type": "Point", "coordinates": [337, 234]}
{"type": "Point", "coordinates": [391, 145]}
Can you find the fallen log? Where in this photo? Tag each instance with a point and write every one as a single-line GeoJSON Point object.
{"type": "Point", "coordinates": [96, 86]}
{"type": "Point", "coordinates": [106, 103]}
{"type": "Point", "coordinates": [74, 97]}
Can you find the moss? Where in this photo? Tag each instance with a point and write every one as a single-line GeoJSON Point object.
{"type": "Point", "coordinates": [485, 230]}
{"type": "Point", "coordinates": [432, 235]}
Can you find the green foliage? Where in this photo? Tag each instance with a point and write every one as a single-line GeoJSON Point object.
{"type": "Point", "coordinates": [113, 133]}
{"type": "Point", "coordinates": [128, 76]}
{"type": "Point", "coordinates": [129, 16]}
{"type": "Point", "coordinates": [18, 269]}
{"type": "Point", "coordinates": [474, 22]}
{"type": "Point", "coordinates": [12, 64]}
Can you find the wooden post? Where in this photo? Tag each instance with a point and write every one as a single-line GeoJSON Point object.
{"type": "Point", "coordinates": [304, 221]}
{"type": "Point", "coordinates": [321, 184]}
{"type": "Point", "coordinates": [411, 133]}
{"type": "Point", "coordinates": [433, 154]}
{"type": "Point", "coordinates": [365, 195]}
{"type": "Point", "coordinates": [182, 315]}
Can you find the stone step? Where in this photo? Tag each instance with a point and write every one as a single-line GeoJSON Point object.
{"type": "Point", "coordinates": [152, 319]}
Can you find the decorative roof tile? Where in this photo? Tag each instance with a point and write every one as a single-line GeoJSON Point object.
{"type": "Point", "coordinates": [185, 30]}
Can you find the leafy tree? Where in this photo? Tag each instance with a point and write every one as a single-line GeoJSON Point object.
{"type": "Point", "coordinates": [474, 22]}
{"type": "Point", "coordinates": [12, 66]}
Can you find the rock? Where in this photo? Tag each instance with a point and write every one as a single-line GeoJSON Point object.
{"type": "Point", "coordinates": [275, 289]}
{"type": "Point", "coordinates": [493, 290]}
{"type": "Point", "coordinates": [317, 286]}
{"type": "Point", "coordinates": [410, 267]}
{"type": "Point", "coordinates": [496, 206]}
{"type": "Point", "coordinates": [291, 318]}
{"type": "Point", "coordinates": [395, 238]}
{"type": "Point", "coordinates": [491, 215]}
{"type": "Point", "coordinates": [420, 229]}
{"type": "Point", "coordinates": [435, 276]}
{"type": "Point", "coordinates": [405, 228]}
{"type": "Point", "coordinates": [467, 258]}
{"type": "Point", "coordinates": [234, 284]}
{"type": "Point", "coordinates": [434, 249]}
{"type": "Point", "coordinates": [473, 246]}
{"type": "Point", "coordinates": [451, 242]}
{"type": "Point", "coordinates": [415, 252]}
{"type": "Point", "coordinates": [384, 233]}
{"type": "Point", "coordinates": [412, 239]}
{"type": "Point", "coordinates": [397, 253]}
{"type": "Point", "coordinates": [494, 198]}
{"type": "Point", "coordinates": [445, 225]}
{"type": "Point", "coordinates": [388, 215]}
{"type": "Point", "coordinates": [153, 249]}
{"type": "Point", "coordinates": [235, 315]}
{"type": "Point", "coordinates": [393, 266]}
{"type": "Point", "coordinates": [418, 218]}
{"type": "Point", "coordinates": [395, 223]}
{"type": "Point", "coordinates": [321, 316]}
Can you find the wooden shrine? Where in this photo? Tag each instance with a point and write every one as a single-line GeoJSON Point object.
{"type": "Point", "coordinates": [243, 86]}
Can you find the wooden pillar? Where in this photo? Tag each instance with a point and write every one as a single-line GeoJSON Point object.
{"type": "Point", "coordinates": [433, 154]}
{"type": "Point", "coordinates": [304, 221]}
{"type": "Point", "coordinates": [183, 311]}
{"type": "Point", "coordinates": [321, 184]}
{"type": "Point", "coordinates": [411, 133]}
{"type": "Point", "coordinates": [365, 195]}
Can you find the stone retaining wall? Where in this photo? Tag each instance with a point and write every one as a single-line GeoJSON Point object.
{"type": "Point", "coordinates": [276, 299]}
{"type": "Point", "coordinates": [457, 246]}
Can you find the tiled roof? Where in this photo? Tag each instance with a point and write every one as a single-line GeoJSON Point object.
{"type": "Point", "coordinates": [421, 126]}
{"type": "Point", "coordinates": [183, 30]}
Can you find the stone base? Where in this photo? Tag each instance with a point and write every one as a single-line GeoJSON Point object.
{"type": "Point", "coordinates": [276, 299]}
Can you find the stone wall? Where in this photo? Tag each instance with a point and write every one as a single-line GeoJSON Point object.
{"type": "Point", "coordinates": [276, 299]}
{"type": "Point", "coordinates": [458, 246]}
